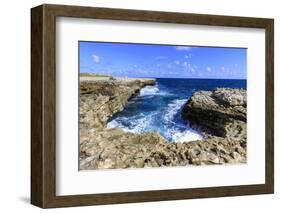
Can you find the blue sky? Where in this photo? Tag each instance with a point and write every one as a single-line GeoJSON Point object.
{"type": "Point", "coordinates": [162, 61]}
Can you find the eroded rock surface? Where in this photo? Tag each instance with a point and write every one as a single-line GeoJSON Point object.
{"type": "Point", "coordinates": [221, 112]}
{"type": "Point", "coordinates": [220, 115]}
{"type": "Point", "coordinates": [99, 100]}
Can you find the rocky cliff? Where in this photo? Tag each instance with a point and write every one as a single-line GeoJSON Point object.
{"type": "Point", "coordinates": [100, 99]}
{"type": "Point", "coordinates": [220, 115]}
{"type": "Point", "coordinates": [220, 112]}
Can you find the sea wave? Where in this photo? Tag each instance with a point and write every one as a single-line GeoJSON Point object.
{"type": "Point", "coordinates": [177, 129]}
{"type": "Point", "coordinates": [167, 121]}
{"type": "Point", "coordinates": [137, 124]}
{"type": "Point", "coordinates": [186, 136]}
{"type": "Point", "coordinates": [172, 109]}
{"type": "Point", "coordinates": [153, 91]}
{"type": "Point", "coordinates": [149, 90]}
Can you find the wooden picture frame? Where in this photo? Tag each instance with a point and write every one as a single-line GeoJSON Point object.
{"type": "Point", "coordinates": [43, 105]}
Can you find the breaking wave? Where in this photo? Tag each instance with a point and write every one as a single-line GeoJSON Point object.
{"type": "Point", "coordinates": [166, 120]}
{"type": "Point", "coordinates": [136, 124]}
{"type": "Point", "coordinates": [149, 90]}
{"type": "Point", "coordinates": [158, 108]}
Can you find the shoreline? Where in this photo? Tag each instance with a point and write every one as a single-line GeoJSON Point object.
{"type": "Point", "coordinates": [110, 94]}
{"type": "Point", "coordinates": [94, 78]}
{"type": "Point", "coordinates": [102, 148]}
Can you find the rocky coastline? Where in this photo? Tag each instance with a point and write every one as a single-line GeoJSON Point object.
{"type": "Point", "coordinates": [220, 115]}
{"type": "Point", "coordinates": [101, 98]}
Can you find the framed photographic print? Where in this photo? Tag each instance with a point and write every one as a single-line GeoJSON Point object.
{"type": "Point", "coordinates": [135, 106]}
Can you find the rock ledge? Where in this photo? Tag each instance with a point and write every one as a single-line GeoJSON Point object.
{"type": "Point", "coordinates": [219, 114]}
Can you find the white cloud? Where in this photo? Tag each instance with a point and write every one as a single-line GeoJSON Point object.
{"type": "Point", "coordinates": [183, 48]}
{"type": "Point", "coordinates": [187, 56]}
{"type": "Point", "coordinates": [186, 64]}
{"type": "Point", "coordinates": [177, 62]}
{"type": "Point", "coordinates": [96, 58]}
{"type": "Point", "coordinates": [209, 69]}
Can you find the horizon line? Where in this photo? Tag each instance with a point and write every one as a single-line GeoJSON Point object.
{"type": "Point", "coordinates": [194, 78]}
{"type": "Point", "coordinates": [164, 77]}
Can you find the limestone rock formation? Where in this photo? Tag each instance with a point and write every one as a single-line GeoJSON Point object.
{"type": "Point", "coordinates": [99, 100]}
{"type": "Point", "coordinates": [219, 114]}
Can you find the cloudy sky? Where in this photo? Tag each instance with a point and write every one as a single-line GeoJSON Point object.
{"type": "Point", "coordinates": [162, 61]}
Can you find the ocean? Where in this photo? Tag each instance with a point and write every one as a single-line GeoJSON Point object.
{"type": "Point", "coordinates": [158, 108]}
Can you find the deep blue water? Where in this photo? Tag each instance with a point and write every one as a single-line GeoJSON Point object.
{"type": "Point", "coordinates": [158, 108]}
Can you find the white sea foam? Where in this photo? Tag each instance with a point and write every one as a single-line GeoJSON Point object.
{"type": "Point", "coordinates": [176, 133]}
{"type": "Point", "coordinates": [114, 124]}
{"type": "Point", "coordinates": [171, 128]}
{"type": "Point", "coordinates": [186, 136]}
{"type": "Point", "coordinates": [149, 90]}
{"type": "Point", "coordinates": [137, 124]}
{"type": "Point", "coordinates": [140, 123]}
{"type": "Point", "coordinates": [173, 109]}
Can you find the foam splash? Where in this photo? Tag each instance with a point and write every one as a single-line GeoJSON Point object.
{"type": "Point", "coordinates": [186, 136]}
{"type": "Point", "coordinates": [149, 90]}
{"type": "Point", "coordinates": [178, 132]}
{"type": "Point", "coordinates": [167, 121]}
{"type": "Point", "coordinates": [173, 109]}
{"type": "Point", "coordinates": [137, 124]}
{"type": "Point", "coordinates": [114, 124]}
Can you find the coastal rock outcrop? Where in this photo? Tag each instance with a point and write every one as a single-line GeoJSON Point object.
{"type": "Point", "coordinates": [114, 148]}
{"type": "Point", "coordinates": [220, 115]}
{"type": "Point", "coordinates": [219, 112]}
{"type": "Point", "coordinates": [100, 99]}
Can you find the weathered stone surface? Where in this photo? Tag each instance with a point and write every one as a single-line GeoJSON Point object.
{"type": "Point", "coordinates": [99, 100]}
{"type": "Point", "coordinates": [231, 97]}
{"type": "Point", "coordinates": [221, 118]}
{"type": "Point", "coordinates": [113, 148]}
{"type": "Point", "coordinates": [220, 112]}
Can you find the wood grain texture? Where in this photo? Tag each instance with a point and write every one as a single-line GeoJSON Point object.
{"type": "Point", "coordinates": [43, 105]}
{"type": "Point", "coordinates": [36, 106]}
{"type": "Point", "coordinates": [269, 108]}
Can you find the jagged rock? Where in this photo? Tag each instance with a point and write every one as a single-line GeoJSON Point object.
{"type": "Point", "coordinates": [220, 115]}
{"type": "Point", "coordinates": [99, 100]}
{"type": "Point", "coordinates": [231, 97]}
{"type": "Point", "coordinates": [220, 111]}
{"type": "Point", "coordinates": [114, 148]}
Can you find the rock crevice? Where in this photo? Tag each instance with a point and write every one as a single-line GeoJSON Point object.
{"type": "Point", "coordinates": [217, 111]}
{"type": "Point", "coordinates": [219, 114]}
